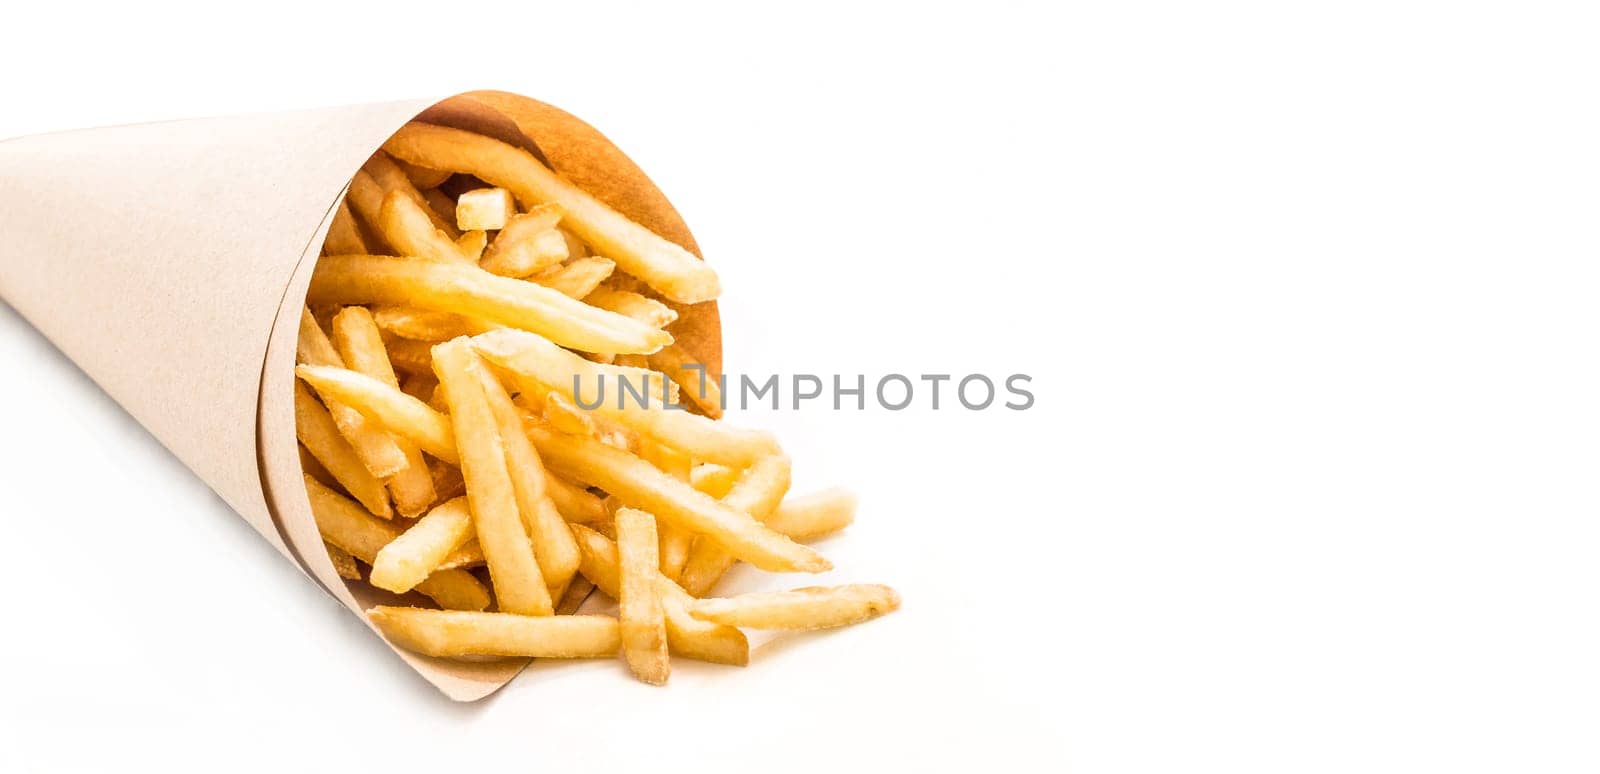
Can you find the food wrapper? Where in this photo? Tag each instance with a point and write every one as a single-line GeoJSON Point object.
{"type": "Point", "coordinates": [170, 262]}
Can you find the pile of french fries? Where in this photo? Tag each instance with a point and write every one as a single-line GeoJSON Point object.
{"type": "Point", "coordinates": [468, 300]}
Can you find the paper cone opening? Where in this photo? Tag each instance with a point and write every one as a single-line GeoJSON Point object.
{"type": "Point", "coordinates": [170, 261]}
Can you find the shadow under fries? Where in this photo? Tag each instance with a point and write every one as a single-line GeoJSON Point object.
{"type": "Point", "coordinates": [246, 545]}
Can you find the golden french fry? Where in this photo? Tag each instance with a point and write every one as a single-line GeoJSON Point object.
{"type": "Point", "coordinates": [440, 202]}
{"type": "Point", "coordinates": [314, 469]}
{"type": "Point", "coordinates": [714, 480]}
{"type": "Point", "coordinates": [472, 244]}
{"type": "Point", "coordinates": [449, 287]}
{"type": "Point", "coordinates": [635, 305]}
{"type": "Point", "coordinates": [687, 636]}
{"type": "Point", "coordinates": [447, 479]}
{"type": "Point", "coordinates": [344, 236]}
{"type": "Point", "coordinates": [390, 177]}
{"type": "Point", "coordinates": [454, 634]}
{"type": "Point", "coordinates": [420, 324]}
{"type": "Point", "coordinates": [421, 177]}
{"type": "Point", "coordinates": [381, 456]}
{"type": "Point", "coordinates": [316, 430]}
{"type": "Point", "coordinates": [696, 384]}
{"type": "Point", "coordinates": [638, 484]}
{"type": "Point", "coordinates": [575, 246]}
{"type": "Point", "coordinates": [484, 209]}
{"type": "Point", "coordinates": [387, 406]}
{"type": "Point", "coordinates": [412, 357]}
{"type": "Point", "coordinates": [529, 242]}
{"type": "Point", "coordinates": [644, 624]}
{"type": "Point", "coordinates": [419, 386]}
{"type": "Point", "coordinates": [552, 541]}
{"type": "Point", "coordinates": [405, 225]}
{"type": "Point", "coordinates": [564, 415]}
{"type": "Point", "coordinates": [665, 266]}
{"type": "Point", "coordinates": [529, 356]}
{"type": "Point", "coordinates": [574, 503]}
{"type": "Point", "coordinates": [815, 514]}
{"type": "Point", "coordinates": [756, 494]}
{"type": "Point", "coordinates": [359, 343]}
{"type": "Point", "coordinates": [346, 525]}
{"type": "Point", "coordinates": [577, 591]}
{"type": "Point", "coordinates": [576, 278]}
{"type": "Point", "coordinates": [410, 558]}
{"type": "Point", "coordinates": [343, 562]}
{"type": "Point", "coordinates": [675, 541]}
{"type": "Point", "coordinates": [518, 584]}
{"type": "Point", "coordinates": [813, 607]}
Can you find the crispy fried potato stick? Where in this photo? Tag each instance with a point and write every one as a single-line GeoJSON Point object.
{"type": "Point", "coordinates": [344, 236]}
{"type": "Point", "coordinates": [453, 634]}
{"type": "Point", "coordinates": [577, 591]}
{"type": "Point", "coordinates": [405, 225]}
{"type": "Point", "coordinates": [412, 357]}
{"type": "Point", "coordinates": [345, 525]}
{"type": "Point", "coordinates": [639, 485]}
{"type": "Point", "coordinates": [529, 242]}
{"type": "Point", "coordinates": [578, 277]}
{"type": "Point", "coordinates": [447, 479]}
{"type": "Point", "coordinates": [813, 607]}
{"type": "Point", "coordinates": [644, 624]}
{"type": "Point", "coordinates": [539, 360]}
{"type": "Point", "coordinates": [440, 202]}
{"type": "Point", "coordinates": [421, 177]}
{"type": "Point", "coordinates": [314, 469]}
{"type": "Point", "coordinates": [390, 177]}
{"type": "Point", "coordinates": [376, 450]}
{"type": "Point", "coordinates": [484, 209]}
{"type": "Point", "coordinates": [518, 584]}
{"type": "Point", "coordinates": [317, 432]}
{"type": "Point", "coordinates": [674, 541]}
{"type": "Point", "coordinates": [356, 338]}
{"type": "Point", "coordinates": [813, 515]}
{"type": "Point", "coordinates": [421, 324]}
{"type": "Point", "coordinates": [757, 494]}
{"type": "Point", "coordinates": [343, 562]}
{"type": "Point", "coordinates": [714, 480]}
{"type": "Point", "coordinates": [448, 287]}
{"type": "Point", "coordinates": [687, 636]}
{"type": "Point", "coordinates": [635, 305]}
{"type": "Point", "coordinates": [668, 268]}
{"type": "Point", "coordinates": [472, 244]}
{"type": "Point", "coordinates": [410, 558]}
{"type": "Point", "coordinates": [552, 541]}
{"type": "Point", "coordinates": [697, 384]}
{"type": "Point", "coordinates": [564, 415]}
{"type": "Point", "coordinates": [386, 405]}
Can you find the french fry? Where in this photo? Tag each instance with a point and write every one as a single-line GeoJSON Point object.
{"type": "Point", "coordinates": [346, 525]}
{"type": "Point", "coordinates": [513, 569]}
{"type": "Point", "coordinates": [410, 558]}
{"type": "Point", "coordinates": [630, 304]}
{"type": "Point", "coordinates": [644, 625]}
{"type": "Point", "coordinates": [528, 242]}
{"type": "Point", "coordinates": [316, 430]}
{"type": "Point", "coordinates": [456, 634]}
{"type": "Point", "coordinates": [419, 386]}
{"type": "Point", "coordinates": [537, 359]}
{"type": "Point", "coordinates": [813, 607]}
{"type": "Point", "coordinates": [390, 177]}
{"type": "Point", "coordinates": [574, 503]}
{"type": "Point", "coordinates": [552, 541]}
{"type": "Point", "coordinates": [405, 225]}
{"type": "Point", "coordinates": [472, 244]}
{"type": "Point", "coordinates": [484, 209]}
{"type": "Point", "coordinates": [449, 287]}
{"type": "Point", "coordinates": [358, 342]}
{"type": "Point", "coordinates": [381, 456]}
{"type": "Point", "coordinates": [564, 415]}
{"type": "Point", "coordinates": [575, 246]}
{"type": "Point", "coordinates": [576, 278]}
{"type": "Point", "coordinates": [386, 405]}
{"type": "Point", "coordinates": [667, 267]}
{"type": "Point", "coordinates": [757, 494]}
{"type": "Point", "coordinates": [420, 324]}
{"type": "Point", "coordinates": [675, 542]}
{"type": "Point", "coordinates": [696, 383]}
{"type": "Point", "coordinates": [412, 357]}
{"type": "Point", "coordinates": [421, 177]}
{"type": "Point", "coordinates": [687, 636]}
{"type": "Point", "coordinates": [714, 480]}
{"type": "Point", "coordinates": [344, 236]}
{"type": "Point", "coordinates": [813, 515]}
{"type": "Point", "coordinates": [312, 468]}
{"type": "Point", "coordinates": [343, 562]}
{"type": "Point", "coordinates": [447, 479]}
{"type": "Point", "coordinates": [638, 484]}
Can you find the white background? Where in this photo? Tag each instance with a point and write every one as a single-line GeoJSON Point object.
{"type": "Point", "coordinates": [1308, 293]}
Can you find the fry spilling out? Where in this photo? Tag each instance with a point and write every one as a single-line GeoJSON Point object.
{"type": "Point", "coordinates": [369, 329]}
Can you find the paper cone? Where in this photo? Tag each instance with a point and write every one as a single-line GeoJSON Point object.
{"type": "Point", "coordinates": [170, 261]}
